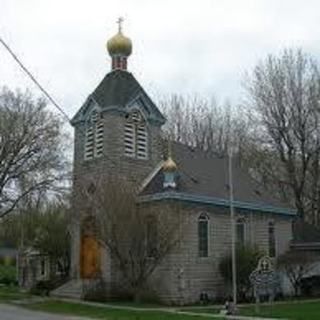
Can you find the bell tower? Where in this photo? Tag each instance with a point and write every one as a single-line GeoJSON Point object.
{"type": "Point", "coordinates": [117, 134]}
{"type": "Point", "coordinates": [118, 128]}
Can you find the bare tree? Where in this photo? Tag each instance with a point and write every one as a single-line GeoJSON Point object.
{"type": "Point", "coordinates": [138, 235]}
{"type": "Point", "coordinates": [297, 265]}
{"type": "Point", "coordinates": [284, 93]}
{"type": "Point", "coordinates": [202, 123]}
{"type": "Point", "coordinates": [32, 158]}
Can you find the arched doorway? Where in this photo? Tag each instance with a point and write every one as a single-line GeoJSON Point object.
{"type": "Point", "coordinates": [90, 254]}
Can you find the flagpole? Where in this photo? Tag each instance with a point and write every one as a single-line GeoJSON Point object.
{"type": "Point", "coordinates": [233, 231]}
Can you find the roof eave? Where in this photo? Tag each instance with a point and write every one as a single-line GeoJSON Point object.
{"type": "Point", "coordinates": [217, 202]}
{"type": "Point", "coordinates": [305, 245]}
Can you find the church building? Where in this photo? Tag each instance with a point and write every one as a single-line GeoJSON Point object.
{"type": "Point", "coordinates": [118, 130]}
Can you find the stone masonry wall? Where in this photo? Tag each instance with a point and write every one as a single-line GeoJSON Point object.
{"type": "Point", "coordinates": [184, 275]}
{"type": "Point", "coordinates": [113, 163]}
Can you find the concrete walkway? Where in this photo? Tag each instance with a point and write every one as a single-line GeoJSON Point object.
{"type": "Point", "coordinates": [10, 312]}
{"type": "Point", "coordinates": [163, 309]}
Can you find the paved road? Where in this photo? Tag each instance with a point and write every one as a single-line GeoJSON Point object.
{"type": "Point", "coordinates": [8, 312]}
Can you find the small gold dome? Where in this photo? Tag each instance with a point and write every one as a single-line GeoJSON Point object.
{"type": "Point", "coordinates": [119, 45]}
{"type": "Point", "coordinates": [169, 165]}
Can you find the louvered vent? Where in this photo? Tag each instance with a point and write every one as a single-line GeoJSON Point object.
{"type": "Point", "coordinates": [89, 144]}
{"type": "Point", "coordinates": [99, 139]}
{"type": "Point", "coordinates": [141, 142]}
{"type": "Point", "coordinates": [129, 139]}
{"type": "Point", "coordinates": [94, 116]}
{"type": "Point", "coordinates": [94, 137]}
{"type": "Point", "coordinates": [135, 137]}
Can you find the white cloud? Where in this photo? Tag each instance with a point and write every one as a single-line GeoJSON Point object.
{"type": "Point", "coordinates": [179, 46]}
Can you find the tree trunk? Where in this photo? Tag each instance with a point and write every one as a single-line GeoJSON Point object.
{"type": "Point", "coordinates": [296, 287]}
{"type": "Point", "coordinates": [137, 295]}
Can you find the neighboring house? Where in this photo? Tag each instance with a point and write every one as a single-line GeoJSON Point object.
{"type": "Point", "coordinates": [118, 132]}
{"type": "Point", "coordinates": [306, 238]}
{"type": "Point", "coordinates": [33, 266]}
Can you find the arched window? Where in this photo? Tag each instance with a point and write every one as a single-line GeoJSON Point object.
{"type": "Point", "coordinates": [203, 235]}
{"type": "Point", "coordinates": [94, 136]}
{"type": "Point", "coordinates": [136, 137]}
{"type": "Point", "coordinates": [151, 236]}
{"type": "Point", "coordinates": [240, 232]}
{"type": "Point", "coordinates": [271, 239]}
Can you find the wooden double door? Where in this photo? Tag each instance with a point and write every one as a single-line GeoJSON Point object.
{"type": "Point", "coordinates": [90, 255]}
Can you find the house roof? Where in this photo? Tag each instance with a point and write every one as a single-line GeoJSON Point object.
{"type": "Point", "coordinates": [205, 177]}
{"type": "Point", "coordinates": [118, 89]}
{"type": "Point", "coordinates": [8, 252]}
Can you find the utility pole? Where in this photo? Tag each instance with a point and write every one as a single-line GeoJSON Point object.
{"type": "Point", "coordinates": [233, 230]}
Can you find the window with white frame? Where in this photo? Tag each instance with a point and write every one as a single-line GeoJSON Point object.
{"type": "Point", "coordinates": [271, 239]}
{"type": "Point", "coordinates": [136, 137]}
{"type": "Point", "coordinates": [93, 147]}
{"type": "Point", "coordinates": [203, 235]}
{"type": "Point", "coordinates": [240, 232]}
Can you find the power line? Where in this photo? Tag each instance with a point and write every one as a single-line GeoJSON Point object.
{"type": "Point", "coordinates": [42, 89]}
{"type": "Point", "coordinates": [34, 80]}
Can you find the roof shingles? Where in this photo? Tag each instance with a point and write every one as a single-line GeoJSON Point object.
{"type": "Point", "coordinates": [207, 176]}
{"type": "Point", "coordinates": [118, 89]}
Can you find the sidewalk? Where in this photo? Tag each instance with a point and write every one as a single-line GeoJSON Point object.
{"type": "Point", "coordinates": [162, 309]}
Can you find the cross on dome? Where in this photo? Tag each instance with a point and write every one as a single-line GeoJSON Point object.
{"type": "Point", "coordinates": [119, 22]}
{"type": "Point", "coordinates": [119, 48]}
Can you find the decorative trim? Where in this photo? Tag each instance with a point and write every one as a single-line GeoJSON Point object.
{"type": "Point", "coordinates": [149, 178]}
{"type": "Point", "coordinates": [81, 114]}
{"type": "Point", "coordinates": [152, 110]}
{"type": "Point", "coordinates": [117, 110]}
{"type": "Point", "coordinates": [217, 202]}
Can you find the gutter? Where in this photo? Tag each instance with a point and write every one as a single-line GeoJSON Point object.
{"type": "Point", "coordinates": [172, 195]}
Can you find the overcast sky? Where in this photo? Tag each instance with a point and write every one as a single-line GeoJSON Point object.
{"type": "Point", "coordinates": [181, 46]}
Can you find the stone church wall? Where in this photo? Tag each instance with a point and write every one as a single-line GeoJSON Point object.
{"type": "Point", "coordinates": [112, 164]}
{"type": "Point", "coordinates": [183, 276]}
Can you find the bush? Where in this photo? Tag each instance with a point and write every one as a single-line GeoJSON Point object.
{"type": "Point", "coordinates": [43, 287]}
{"type": "Point", "coordinates": [310, 286]}
{"type": "Point", "coordinates": [7, 261]}
{"type": "Point", "coordinates": [95, 291]}
{"type": "Point", "coordinates": [246, 260]}
{"type": "Point", "coordinates": [8, 275]}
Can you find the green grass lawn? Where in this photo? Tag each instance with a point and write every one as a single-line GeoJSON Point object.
{"type": "Point", "coordinates": [75, 309]}
{"type": "Point", "coordinates": [302, 310]}
{"type": "Point", "coordinates": [11, 294]}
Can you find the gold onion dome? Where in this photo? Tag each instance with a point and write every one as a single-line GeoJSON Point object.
{"type": "Point", "coordinates": [119, 45]}
{"type": "Point", "coordinates": [169, 165]}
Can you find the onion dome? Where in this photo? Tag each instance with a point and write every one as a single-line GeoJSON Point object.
{"type": "Point", "coordinates": [169, 165]}
{"type": "Point", "coordinates": [119, 44]}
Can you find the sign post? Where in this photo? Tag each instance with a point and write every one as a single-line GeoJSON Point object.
{"type": "Point", "coordinates": [264, 281]}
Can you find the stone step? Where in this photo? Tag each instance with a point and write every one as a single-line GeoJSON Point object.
{"type": "Point", "coordinates": [71, 289]}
